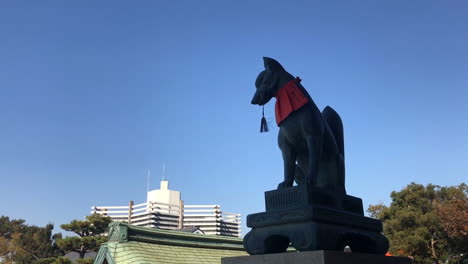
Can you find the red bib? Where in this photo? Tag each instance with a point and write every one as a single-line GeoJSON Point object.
{"type": "Point", "coordinates": [289, 99]}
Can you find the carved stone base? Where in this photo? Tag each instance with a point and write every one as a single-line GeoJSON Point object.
{"type": "Point", "coordinates": [309, 226]}
{"type": "Point", "coordinates": [316, 257]}
{"type": "Point", "coordinates": [313, 235]}
{"type": "Point", "coordinates": [300, 196]}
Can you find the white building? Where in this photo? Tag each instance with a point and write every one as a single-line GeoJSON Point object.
{"type": "Point", "coordinates": [164, 209]}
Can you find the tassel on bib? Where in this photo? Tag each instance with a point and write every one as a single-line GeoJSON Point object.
{"type": "Point", "coordinates": [263, 123]}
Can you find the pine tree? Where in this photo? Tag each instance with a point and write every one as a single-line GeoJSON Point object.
{"type": "Point", "coordinates": [22, 243]}
{"type": "Point", "coordinates": [90, 234]}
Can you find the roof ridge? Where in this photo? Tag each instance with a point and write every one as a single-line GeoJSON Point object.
{"type": "Point", "coordinates": [123, 232]}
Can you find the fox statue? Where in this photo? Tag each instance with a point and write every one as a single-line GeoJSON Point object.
{"type": "Point", "coordinates": [311, 141]}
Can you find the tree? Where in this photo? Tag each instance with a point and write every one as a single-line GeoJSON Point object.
{"type": "Point", "coordinates": [452, 210]}
{"type": "Point", "coordinates": [8, 229]}
{"type": "Point", "coordinates": [58, 260]}
{"type": "Point", "coordinates": [90, 234]}
{"type": "Point", "coordinates": [38, 241]}
{"type": "Point", "coordinates": [21, 243]}
{"type": "Point", "coordinates": [375, 211]}
{"type": "Point", "coordinates": [85, 261]}
{"type": "Point", "coordinates": [418, 222]}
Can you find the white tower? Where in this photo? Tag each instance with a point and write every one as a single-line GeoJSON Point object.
{"type": "Point", "coordinates": [164, 195]}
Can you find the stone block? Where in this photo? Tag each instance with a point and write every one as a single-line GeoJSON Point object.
{"type": "Point", "coordinates": [312, 219]}
{"type": "Point", "coordinates": [316, 257]}
{"type": "Point", "coordinates": [301, 196]}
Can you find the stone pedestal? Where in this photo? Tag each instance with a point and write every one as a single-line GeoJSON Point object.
{"type": "Point", "coordinates": [316, 257]}
{"type": "Point", "coordinates": [313, 219]}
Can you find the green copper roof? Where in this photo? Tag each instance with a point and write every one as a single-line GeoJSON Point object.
{"type": "Point", "coordinates": [131, 244]}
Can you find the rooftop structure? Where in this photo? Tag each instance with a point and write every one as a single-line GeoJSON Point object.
{"type": "Point", "coordinates": [132, 244]}
{"type": "Point", "coordinates": [164, 209]}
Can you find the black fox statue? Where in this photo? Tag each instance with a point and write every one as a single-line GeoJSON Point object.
{"type": "Point", "coordinates": [317, 214]}
{"type": "Point", "coordinates": [311, 141]}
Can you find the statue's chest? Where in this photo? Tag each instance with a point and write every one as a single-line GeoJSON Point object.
{"type": "Point", "coordinates": [299, 126]}
{"type": "Point", "coordinates": [295, 137]}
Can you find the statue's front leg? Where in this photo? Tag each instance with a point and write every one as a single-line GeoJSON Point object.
{"type": "Point", "coordinates": [314, 147]}
{"type": "Point", "coordinates": [289, 161]}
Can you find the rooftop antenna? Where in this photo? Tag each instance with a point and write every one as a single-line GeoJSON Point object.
{"type": "Point", "coordinates": [163, 171]}
{"type": "Point", "coordinates": [148, 183]}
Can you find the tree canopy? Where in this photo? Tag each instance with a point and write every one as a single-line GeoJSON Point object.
{"type": "Point", "coordinates": [28, 244]}
{"type": "Point", "coordinates": [428, 223]}
{"type": "Point", "coordinates": [22, 243]}
{"type": "Point", "coordinates": [90, 234]}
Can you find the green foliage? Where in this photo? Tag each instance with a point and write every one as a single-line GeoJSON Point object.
{"type": "Point", "coordinates": [38, 241]}
{"type": "Point", "coordinates": [21, 243]}
{"type": "Point", "coordinates": [93, 225]}
{"type": "Point", "coordinates": [62, 260]}
{"type": "Point", "coordinates": [452, 210]}
{"type": "Point", "coordinates": [376, 210]}
{"type": "Point", "coordinates": [8, 227]}
{"type": "Point", "coordinates": [25, 244]}
{"type": "Point", "coordinates": [58, 260]}
{"type": "Point", "coordinates": [81, 245]}
{"type": "Point", "coordinates": [417, 225]}
{"type": "Point", "coordinates": [90, 234]}
{"type": "Point", "coordinates": [85, 261]}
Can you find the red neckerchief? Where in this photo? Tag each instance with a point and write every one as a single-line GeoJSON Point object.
{"type": "Point", "coordinates": [289, 99]}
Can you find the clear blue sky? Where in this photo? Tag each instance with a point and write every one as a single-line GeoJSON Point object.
{"type": "Point", "coordinates": [95, 94]}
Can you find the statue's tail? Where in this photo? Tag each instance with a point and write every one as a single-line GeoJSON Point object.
{"type": "Point", "coordinates": [336, 126]}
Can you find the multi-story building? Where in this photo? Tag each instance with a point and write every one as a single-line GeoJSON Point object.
{"type": "Point", "coordinates": [165, 209]}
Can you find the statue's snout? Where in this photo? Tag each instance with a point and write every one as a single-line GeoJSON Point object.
{"type": "Point", "coordinates": [256, 99]}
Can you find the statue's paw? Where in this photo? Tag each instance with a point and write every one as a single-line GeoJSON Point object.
{"type": "Point", "coordinates": [284, 184]}
{"type": "Point", "coordinates": [307, 181]}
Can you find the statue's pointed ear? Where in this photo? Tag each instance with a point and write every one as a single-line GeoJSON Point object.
{"type": "Point", "coordinates": [272, 65]}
